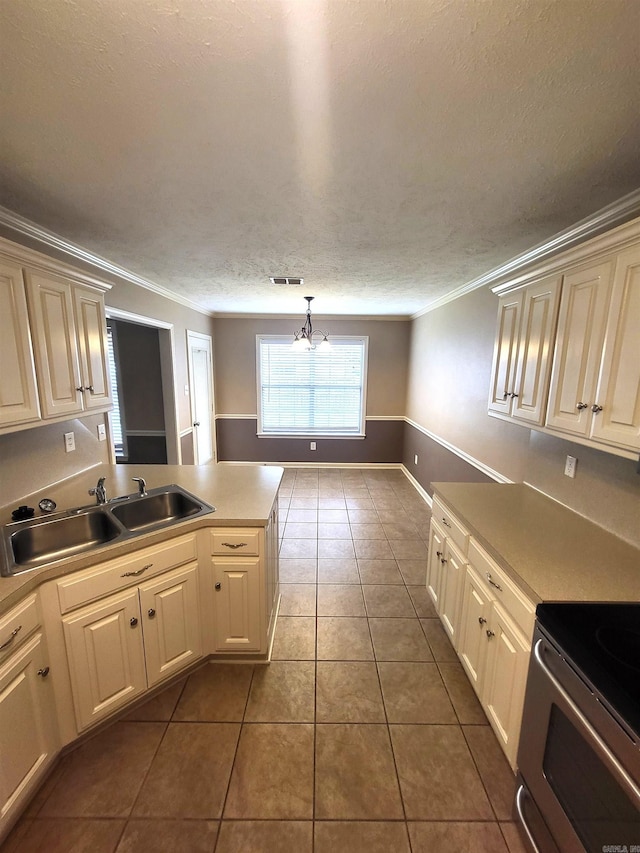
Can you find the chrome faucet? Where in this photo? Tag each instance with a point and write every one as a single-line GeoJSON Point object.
{"type": "Point", "coordinates": [100, 492]}
{"type": "Point", "coordinates": [142, 486]}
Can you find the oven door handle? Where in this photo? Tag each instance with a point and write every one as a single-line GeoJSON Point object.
{"type": "Point", "coordinates": [519, 797]}
{"type": "Point", "coordinates": [605, 753]}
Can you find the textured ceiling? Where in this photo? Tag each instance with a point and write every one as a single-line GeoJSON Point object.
{"type": "Point", "coordinates": [387, 150]}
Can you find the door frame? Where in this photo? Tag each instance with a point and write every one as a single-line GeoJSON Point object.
{"type": "Point", "coordinates": [199, 339]}
{"type": "Point", "coordinates": [168, 373]}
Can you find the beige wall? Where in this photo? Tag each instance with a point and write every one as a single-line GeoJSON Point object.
{"type": "Point", "coordinates": [235, 360]}
{"type": "Point", "coordinates": [447, 391]}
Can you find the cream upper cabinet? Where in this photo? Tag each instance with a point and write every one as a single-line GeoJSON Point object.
{"type": "Point", "coordinates": [617, 400]}
{"type": "Point", "coordinates": [585, 299]}
{"type": "Point", "coordinates": [503, 373]}
{"type": "Point", "coordinates": [18, 389]}
{"type": "Point", "coordinates": [69, 333]}
{"type": "Point", "coordinates": [521, 363]}
{"type": "Point", "coordinates": [92, 347]}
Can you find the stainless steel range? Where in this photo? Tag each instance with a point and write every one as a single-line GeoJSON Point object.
{"type": "Point", "coordinates": [579, 753]}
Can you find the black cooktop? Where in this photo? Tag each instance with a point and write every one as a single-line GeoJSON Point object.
{"type": "Point", "coordinates": [602, 641]}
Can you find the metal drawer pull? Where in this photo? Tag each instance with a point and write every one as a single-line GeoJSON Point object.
{"type": "Point", "coordinates": [493, 583]}
{"type": "Point", "coordinates": [237, 545]}
{"type": "Point", "coordinates": [12, 637]}
{"type": "Point", "coordinates": [519, 797]}
{"type": "Point", "coordinates": [445, 522]}
{"type": "Point", "coordinates": [596, 741]}
{"type": "Point", "coordinates": [136, 573]}
{"type": "Point", "coordinates": [43, 673]}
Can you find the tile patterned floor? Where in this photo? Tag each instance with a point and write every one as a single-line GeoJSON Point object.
{"type": "Point", "coordinates": [362, 735]}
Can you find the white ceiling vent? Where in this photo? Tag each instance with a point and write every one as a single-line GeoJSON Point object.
{"type": "Point", "coordinates": [287, 280]}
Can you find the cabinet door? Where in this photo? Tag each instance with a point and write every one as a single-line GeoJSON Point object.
{"type": "Point", "coordinates": [54, 341]}
{"type": "Point", "coordinates": [618, 391]}
{"type": "Point", "coordinates": [18, 390]}
{"type": "Point", "coordinates": [453, 570]}
{"type": "Point", "coordinates": [581, 324]}
{"type": "Point", "coordinates": [28, 733]}
{"type": "Point", "coordinates": [539, 315]}
{"type": "Point", "coordinates": [272, 570]}
{"type": "Point", "coordinates": [505, 680]}
{"type": "Point", "coordinates": [476, 605]}
{"type": "Point", "coordinates": [92, 347]}
{"type": "Point", "coordinates": [171, 619]}
{"type": "Point", "coordinates": [434, 562]}
{"type": "Point", "coordinates": [237, 604]}
{"type": "Point", "coordinates": [106, 656]}
{"type": "Point", "coordinates": [503, 372]}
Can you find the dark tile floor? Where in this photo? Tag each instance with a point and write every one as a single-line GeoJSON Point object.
{"type": "Point", "coordinates": [362, 735]}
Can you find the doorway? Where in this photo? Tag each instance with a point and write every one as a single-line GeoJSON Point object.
{"type": "Point", "coordinates": [159, 437]}
{"type": "Point", "coordinates": [200, 359]}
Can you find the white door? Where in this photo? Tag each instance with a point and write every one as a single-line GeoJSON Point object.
{"type": "Point", "coordinates": [201, 384]}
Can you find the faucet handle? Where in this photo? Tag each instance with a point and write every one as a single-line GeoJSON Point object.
{"type": "Point", "coordinates": [142, 486]}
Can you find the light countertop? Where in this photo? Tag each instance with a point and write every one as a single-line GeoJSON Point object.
{"type": "Point", "coordinates": [553, 553]}
{"type": "Point", "coordinates": [242, 495]}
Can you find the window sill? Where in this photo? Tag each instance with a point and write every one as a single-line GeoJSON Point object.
{"type": "Point", "coordinates": [312, 436]}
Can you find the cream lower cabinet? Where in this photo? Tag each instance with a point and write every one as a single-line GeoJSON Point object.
{"type": "Point", "coordinates": [445, 567]}
{"type": "Point", "coordinates": [120, 646]}
{"type": "Point", "coordinates": [245, 588]}
{"type": "Point", "coordinates": [495, 643]}
{"type": "Point", "coordinates": [28, 727]}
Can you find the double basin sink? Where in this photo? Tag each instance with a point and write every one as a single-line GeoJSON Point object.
{"type": "Point", "coordinates": [37, 542]}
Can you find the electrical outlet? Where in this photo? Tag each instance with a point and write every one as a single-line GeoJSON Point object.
{"type": "Point", "coordinates": [312, 445]}
{"type": "Point", "coordinates": [186, 390]}
{"type": "Point", "coordinates": [102, 432]}
{"type": "Point", "coordinates": [69, 442]}
{"type": "Point", "coordinates": [415, 459]}
{"type": "Point", "coordinates": [570, 466]}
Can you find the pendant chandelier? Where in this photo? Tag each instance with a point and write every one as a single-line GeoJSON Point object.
{"type": "Point", "coordinates": [303, 340]}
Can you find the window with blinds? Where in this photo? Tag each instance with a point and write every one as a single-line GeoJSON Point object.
{"type": "Point", "coordinates": [115, 416]}
{"type": "Point", "coordinates": [311, 393]}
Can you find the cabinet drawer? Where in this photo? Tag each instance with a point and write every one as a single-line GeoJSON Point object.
{"type": "Point", "coordinates": [106, 578]}
{"type": "Point", "coordinates": [503, 589]}
{"type": "Point", "coordinates": [451, 525]}
{"type": "Point", "coordinates": [17, 625]}
{"type": "Point", "coordinates": [241, 542]}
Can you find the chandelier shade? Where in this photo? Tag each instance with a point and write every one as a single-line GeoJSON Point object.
{"type": "Point", "coordinates": [303, 339]}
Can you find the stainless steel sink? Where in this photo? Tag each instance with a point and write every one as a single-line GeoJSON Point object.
{"type": "Point", "coordinates": [161, 506]}
{"type": "Point", "coordinates": [45, 540]}
{"type": "Point", "coordinates": [37, 542]}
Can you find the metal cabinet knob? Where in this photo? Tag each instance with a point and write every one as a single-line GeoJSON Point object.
{"type": "Point", "coordinates": [133, 621]}
{"type": "Point", "coordinates": [151, 612]}
{"type": "Point", "coordinates": [43, 673]}
{"type": "Point", "coordinates": [196, 423]}
{"type": "Point", "coordinates": [581, 406]}
{"type": "Point", "coordinates": [482, 620]}
{"type": "Point", "coordinates": [218, 586]}
{"type": "Point", "coordinates": [596, 408]}
{"type": "Point", "coordinates": [89, 388]}
{"type": "Point", "coordinates": [490, 634]}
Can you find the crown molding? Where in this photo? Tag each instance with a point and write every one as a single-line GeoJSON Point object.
{"type": "Point", "coordinates": [615, 214]}
{"type": "Point", "coordinates": [383, 318]}
{"type": "Point", "coordinates": [48, 239]}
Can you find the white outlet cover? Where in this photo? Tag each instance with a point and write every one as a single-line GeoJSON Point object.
{"type": "Point", "coordinates": [102, 432]}
{"type": "Point", "coordinates": [69, 442]}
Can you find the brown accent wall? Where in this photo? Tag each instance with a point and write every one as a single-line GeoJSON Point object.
{"type": "Point", "coordinates": [238, 442]}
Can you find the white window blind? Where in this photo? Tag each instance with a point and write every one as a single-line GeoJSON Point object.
{"type": "Point", "coordinates": [115, 417]}
{"type": "Point", "coordinates": [311, 393]}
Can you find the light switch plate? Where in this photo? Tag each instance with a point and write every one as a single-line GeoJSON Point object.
{"type": "Point", "coordinates": [102, 432]}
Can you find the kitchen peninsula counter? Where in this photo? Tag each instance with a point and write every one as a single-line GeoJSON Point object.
{"type": "Point", "coordinates": [551, 552]}
{"type": "Point", "coordinates": [242, 495]}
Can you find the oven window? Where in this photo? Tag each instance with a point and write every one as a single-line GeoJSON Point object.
{"type": "Point", "coordinates": [601, 813]}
